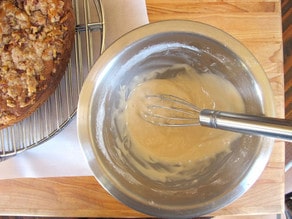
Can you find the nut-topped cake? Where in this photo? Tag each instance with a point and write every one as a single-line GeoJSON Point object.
{"type": "Point", "coordinates": [36, 39]}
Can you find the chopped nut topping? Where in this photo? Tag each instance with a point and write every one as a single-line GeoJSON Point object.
{"type": "Point", "coordinates": [31, 34]}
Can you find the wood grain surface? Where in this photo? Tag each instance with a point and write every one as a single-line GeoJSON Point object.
{"type": "Point", "coordinates": [255, 23]}
{"type": "Point", "coordinates": [287, 51]}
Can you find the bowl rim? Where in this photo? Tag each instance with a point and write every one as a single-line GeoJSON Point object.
{"type": "Point", "coordinates": [99, 71]}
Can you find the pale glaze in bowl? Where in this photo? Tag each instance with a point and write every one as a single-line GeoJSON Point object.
{"type": "Point", "coordinates": [157, 45]}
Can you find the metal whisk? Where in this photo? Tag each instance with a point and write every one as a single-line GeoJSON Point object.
{"type": "Point", "coordinates": [169, 110]}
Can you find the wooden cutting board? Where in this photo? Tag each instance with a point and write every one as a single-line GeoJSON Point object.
{"type": "Point", "coordinates": [257, 24]}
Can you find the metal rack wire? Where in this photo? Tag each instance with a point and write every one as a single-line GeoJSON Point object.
{"type": "Point", "coordinates": [60, 108]}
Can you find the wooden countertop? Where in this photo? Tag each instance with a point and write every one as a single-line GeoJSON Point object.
{"type": "Point", "coordinates": [257, 24]}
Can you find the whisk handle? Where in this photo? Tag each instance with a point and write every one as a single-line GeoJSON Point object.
{"type": "Point", "coordinates": [249, 124]}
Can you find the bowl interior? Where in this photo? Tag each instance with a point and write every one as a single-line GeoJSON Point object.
{"type": "Point", "coordinates": [206, 187]}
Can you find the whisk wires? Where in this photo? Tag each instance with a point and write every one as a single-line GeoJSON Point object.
{"type": "Point", "coordinates": [169, 110]}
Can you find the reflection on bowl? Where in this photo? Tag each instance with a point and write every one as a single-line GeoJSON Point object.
{"type": "Point", "coordinates": [207, 186]}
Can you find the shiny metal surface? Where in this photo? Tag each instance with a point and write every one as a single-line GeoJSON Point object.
{"type": "Point", "coordinates": [60, 108]}
{"type": "Point", "coordinates": [151, 47]}
{"type": "Point", "coordinates": [172, 111]}
{"type": "Point", "coordinates": [249, 124]}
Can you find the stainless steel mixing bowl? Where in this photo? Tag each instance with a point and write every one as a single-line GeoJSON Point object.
{"type": "Point", "coordinates": [121, 67]}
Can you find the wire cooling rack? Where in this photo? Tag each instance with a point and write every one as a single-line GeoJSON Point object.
{"type": "Point", "coordinates": [60, 108]}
